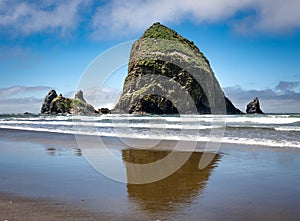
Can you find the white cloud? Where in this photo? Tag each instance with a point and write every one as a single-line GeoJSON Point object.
{"type": "Point", "coordinates": [281, 99]}
{"type": "Point", "coordinates": [22, 91]}
{"type": "Point", "coordinates": [285, 87]}
{"type": "Point", "coordinates": [271, 16]}
{"type": "Point", "coordinates": [20, 105]}
{"type": "Point", "coordinates": [103, 97]}
{"type": "Point", "coordinates": [100, 97]}
{"type": "Point", "coordinates": [20, 99]}
{"type": "Point", "coordinates": [119, 18]}
{"type": "Point", "coordinates": [27, 17]}
{"type": "Point", "coordinates": [125, 17]}
{"type": "Point", "coordinates": [133, 16]}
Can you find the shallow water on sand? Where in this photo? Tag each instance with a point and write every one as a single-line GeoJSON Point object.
{"type": "Point", "coordinates": [238, 184]}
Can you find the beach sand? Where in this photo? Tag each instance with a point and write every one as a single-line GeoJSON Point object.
{"type": "Point", "coordinates": [21, 208]}
{"type": "Point", "coordinates": [44, 176]}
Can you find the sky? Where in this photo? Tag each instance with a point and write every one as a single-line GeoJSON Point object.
{"type": "Point", "coordinates": [253, 46]}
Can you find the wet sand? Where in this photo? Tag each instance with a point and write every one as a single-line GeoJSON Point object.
{"type": "Point", "coordinates": [21, 208]}
{"type": "Point", "coordinates": [44, 176]}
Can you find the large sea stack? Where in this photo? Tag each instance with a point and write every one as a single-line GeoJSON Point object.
{"type": "Point", "coordinates": [168, 74]}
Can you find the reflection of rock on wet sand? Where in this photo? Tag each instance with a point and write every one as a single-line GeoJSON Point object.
{"type": "Point", "coordinates": [52, 151]}
{"type": "Point", "coordinates": [179, 188]}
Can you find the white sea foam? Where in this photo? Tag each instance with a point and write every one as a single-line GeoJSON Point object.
{"type": "Point", "coordinates": [112, 125]}
{"type": "Point", "coordinates": [287, 128]}
{"type": "Point", "coordinates": [257, 119]}
{"type": "Point", "coordinates": [155, 123]}
{"type": "Point", "coordinates": [184, 137]}
{"type": "Point", "coordinates": [269, 130]}
{"type": "Point", "coordinates": [268, 119]}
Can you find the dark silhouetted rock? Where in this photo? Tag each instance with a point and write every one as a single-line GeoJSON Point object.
{"type": "Point", "coordinates": [104, 111]}
{"type": "Point", "coordinates": [153, 104]}
{"type": "Point", "coordinates": [167, 74]}
{"type": "Point", "coordinates": [254, 107]}
{"type": "Point", "coordinates": [49, 98]}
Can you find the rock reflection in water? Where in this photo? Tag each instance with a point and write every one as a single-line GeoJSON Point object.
{"type": "Point", "coordinates": [180, 188]}
{"type": "Point", "coordinates": [52, 151]}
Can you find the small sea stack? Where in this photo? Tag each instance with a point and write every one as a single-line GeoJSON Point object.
{"type": "Point", "coordinates": [254, 107]}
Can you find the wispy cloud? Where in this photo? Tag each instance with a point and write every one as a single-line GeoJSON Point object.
{"type": "Point", "coordinates": [20, 91]}
{"type": "Point", "coordinates": [100, 97]}
{"type": "Point", "coordinates": [19, 99]}
{"type": "Point", "coordinates": [20, 105]}
{"type": "Point", "coordinates": [281, 99]}
{"type": "Point", "coordinates": [286, 87]}
{"type": "Point", "coordinates": [125, 17]}
{"type": "Point", "coordinates": [17, 52]}
{"type": "Point", "coordinates": [119, 18]}
{"type": "Point", "coordinates": [27, 17]}
{"type": "Point", "coordinates": [132, 16]}
{"type": "Point", "coordinates": [271, 16]}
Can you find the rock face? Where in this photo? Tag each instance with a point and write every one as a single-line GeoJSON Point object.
{"type": "Point", "coordinates": [167, 74]}
{"type": "Point", "coordinates": [54, 104]}
{"type": "Point", "coordinates": [104, 110]}
{"type": "Point", "coordinates": [79, 95]}
{"type": "Point", "coordinates": [60, 105]}
{"type": "Point", "coordinates": [254, 107]}
{"type": "Point", "coordinates": [49, 98]}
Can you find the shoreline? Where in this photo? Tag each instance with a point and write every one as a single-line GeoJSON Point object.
{"type": "Point", "coordinates": [72, 140]}
{"type": "Point", "coordinates": [46, 177]}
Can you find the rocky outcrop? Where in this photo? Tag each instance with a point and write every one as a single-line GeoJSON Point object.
{"type": "Point", "coordinates": [81, 107]}
{"type": "Point", "coordinates": [104, 110]}
{"type": "Point", "coordinates": [167, 74]}
{"type": "Point", "coordinates": [254, 107]}
{"type": "Point", "coordinates": [153, 104]}
{"type": "Point", "coordinates": [47, 102]}
{"type": "Point", "coordinates": [79, 95]}
{"type": "Point", "coordinates": [61, 105]}
{"type": "Point", "coordinates": [54, 104]}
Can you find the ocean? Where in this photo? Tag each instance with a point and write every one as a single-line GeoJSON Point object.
{"type": "Point", "coordinates": [272, 130]}
{"type": "Point", "coordinates": [253, 176]}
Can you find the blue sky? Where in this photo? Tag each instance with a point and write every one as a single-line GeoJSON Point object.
{"type": "Point", "coordinates": [253, 46]}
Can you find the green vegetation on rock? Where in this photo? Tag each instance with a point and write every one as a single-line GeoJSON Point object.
{"type": "Point", "coordinates": [163, 40]}
{"type": "Point", "coordinates": [162, 64]}
{"type": "Point", "coordinates": [159, 31]}
{"type": "Point", "coordinates": [54, 104]}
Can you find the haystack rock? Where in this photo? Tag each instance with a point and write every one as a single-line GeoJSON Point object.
{"type": "Point", "coordinates": [254, 107]}
{"type": "Point", "coordinates": [168, 74]}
